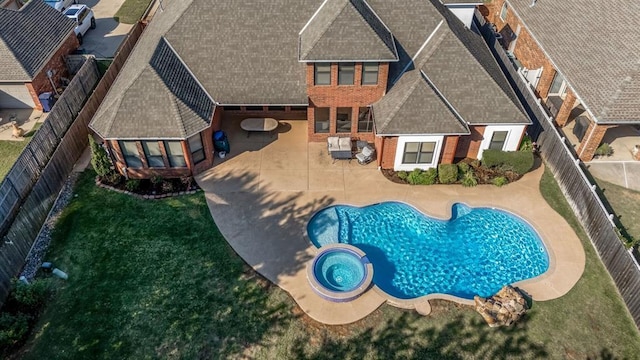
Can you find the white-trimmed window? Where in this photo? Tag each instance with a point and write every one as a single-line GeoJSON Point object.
{"type": "Point", "coordinates": [503, 11]}
{"type": "Point", "coordinates": [558, 85]}
{"type": "Point", "coordinates": [196, 148]}
{"type": "Point", "coordinates": [498, 139]}
{"type": "Point", "coordinates": [417, 152]}
{"type": "Point", "coordinates": [153, 154]}
{"type": "Point", "coordinates": [130, 153]}
{"type": "Point", "coordinates": [369, 73]}
{"type": "Point", "coordinates": [322, 73]}
{"type": "Point", "coordinates": [346, 73]}
{"type": "Point", "coordinates": [175, 154]}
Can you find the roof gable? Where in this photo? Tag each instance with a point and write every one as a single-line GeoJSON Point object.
{"type": "Point", "coordinates": [346, 30]}
{"type": "Point", "coordinates": [414, 107]}
{"type": "Point", "coordinates": [28, 39]}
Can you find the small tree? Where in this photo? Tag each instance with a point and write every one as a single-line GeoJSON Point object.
{"type": "Point", "coordinates": [99, 158]}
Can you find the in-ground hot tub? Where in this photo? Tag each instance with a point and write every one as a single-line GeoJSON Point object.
{"type": "Point", "coordinates": [340, 272]}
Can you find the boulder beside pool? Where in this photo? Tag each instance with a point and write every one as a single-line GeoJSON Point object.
{"type": "Point", "coordinates": [502, 309]}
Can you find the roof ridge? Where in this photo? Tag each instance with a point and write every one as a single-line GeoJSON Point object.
{"type": "Point", "coordinates": [328, 25]}
{"type": "Point", "coordinates": [444, 99]}
{"type": "Point", "coordinates": [399, 104]}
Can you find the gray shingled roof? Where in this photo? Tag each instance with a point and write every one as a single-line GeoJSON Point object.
{"type": "Point", "coordinates": [346, 30]}
{"type": "Point", "coordinates": [413, 107]}
{"type": "Point", "coordinates": [245, 52]}
{"type": "Point", "coordinates": [596, 46]}
{"type": "Point", "coordinates": [447, 2]}
{"type": "Point", "coordinates": [28, 39]}
{"type": "Point", "coordinates": [154, 96]}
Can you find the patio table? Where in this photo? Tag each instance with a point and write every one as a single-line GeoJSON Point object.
{"type": "Point", "coordinates": [259, 125]}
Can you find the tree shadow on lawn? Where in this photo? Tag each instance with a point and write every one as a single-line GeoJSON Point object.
{"type": "Point", "coordinates": [411, 336]}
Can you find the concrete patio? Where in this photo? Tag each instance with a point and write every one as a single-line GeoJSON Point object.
{"type": "Point", "coordinates": [264, 192]}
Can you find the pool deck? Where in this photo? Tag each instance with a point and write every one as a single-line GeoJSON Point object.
{"type": "Point", "coordinates": [266, 189]}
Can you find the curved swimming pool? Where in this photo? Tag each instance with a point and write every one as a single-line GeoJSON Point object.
{"type": "Point", "coordinates": [476, 252]}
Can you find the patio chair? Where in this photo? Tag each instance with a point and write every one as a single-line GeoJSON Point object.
{"type": "Point", "coordinates": [366, 155]}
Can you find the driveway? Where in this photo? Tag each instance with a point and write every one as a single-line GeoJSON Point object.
{"type": "Point", "coordinates": [263, 193]}
{"type": "Point", "coordinates": [104, 40]}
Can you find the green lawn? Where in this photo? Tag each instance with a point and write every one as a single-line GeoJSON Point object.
{"type": "Point", "coordinates": [10, 150]}
{"type": "Point", "coordinates": [131, 11]}
{"type": "Point", "coordinates": [155, 279]}
{"type": "Point", "coordinates": [626, 205]}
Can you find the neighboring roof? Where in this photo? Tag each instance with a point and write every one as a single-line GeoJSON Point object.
{"type": "Point", "coordinates": [178, 106]}
{"type": "Point", "coordinates": [28, 39]}
{"type": "Point", "coordinates": [596, 47]}
{"type": "Point", "coordinates": [460, 2]}
{"type": "Point", "coordinates": [346, 30]}
{"type": "Point", "coordinates": [245, 52]}
{"type": "Point", "coordinates": [413, 107]}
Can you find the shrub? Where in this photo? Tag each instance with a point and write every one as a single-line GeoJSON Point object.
{"type": "Point", "coordinates": [517, 161]}
{"type": "Point", "coordinates": [156, 180]}
{"type": "Point", "coordinates": [13, 328]}
{"type": "Point", "coordinates": [463, 167]}
{"type": "Point", "coordinates": [113, 178]}
{"type": "Point", "coordinates": [469, 179]}
{"type": "Point", "coordinates": [132, 184]}
{"type": "Point", "coordinates": [420, 177]}
{"type": "Point", "coordinates": [604, 150]}
{"type": "Point", "coordinates": [403, 175]}
{"type": "Point", "coordinates": [526, 144]}
{"type": "Point", "coordinates": [167, 187]}
{"type": "Point", "coordinates": [30, 297]}
{"type": "Point", "coordinates": [500, 181]}
{"type": "Point", "coordinates": [447, 173]}
{"type": "Point", "coordinates": [99, 158]}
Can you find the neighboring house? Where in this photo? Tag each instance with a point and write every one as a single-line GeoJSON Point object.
{"type": "Point", "coordinates": [581, 57]}
{"type": "Point", "coordinates": [33, 41]}
{"type": "Point", "coordinates": [406, 75]}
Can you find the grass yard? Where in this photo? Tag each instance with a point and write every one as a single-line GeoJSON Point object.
{"type": "Point", "coordinates": [626, 205]}
{"type": "Point", "coordinates": [131, 11]}
{"type": "Point", "coordinates": [155, 279]}
{"type": "Point", "coordinates": [10, 150]}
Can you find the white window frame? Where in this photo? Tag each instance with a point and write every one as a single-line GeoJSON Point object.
{"type": "Point", "coordinates": [503, 11]}
{"type": "Point", "coordinates": [563, 86]}
{"type": "Point", "coordinates": [402, 140]}
{"type": "Point", "coordinates": [511, 142]}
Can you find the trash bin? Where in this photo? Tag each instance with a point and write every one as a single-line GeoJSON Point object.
{"type": "Point", "coordinates": [220, 141]}
{"type": "Point", "coordinates": [46, 100]}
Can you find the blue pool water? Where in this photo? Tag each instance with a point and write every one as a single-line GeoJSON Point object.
{"type": "Point", "coordinates": [476, 252]}
{"type": "Point", "coordinates": [339, 270]}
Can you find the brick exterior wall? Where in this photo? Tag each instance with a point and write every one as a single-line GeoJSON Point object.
{"type": "Point", "coordinates": [565, 109]}
{"type": "Point", "coordinates": [351, 96]}
{"type": "Point", "coordinates": [526, 50]}
{"type": "Point", "coordinates": [592, 139]}
{"type": "Point", "coordinates": [40, 82]}
{"type": "Point", "coordinates": [469, 145]}
{"type": "Point", "coordinates": [386, 151]}
{"type": "Point", "coordinates": [449, 147]}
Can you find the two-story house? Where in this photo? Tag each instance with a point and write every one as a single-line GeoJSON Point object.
{"type": "Point", "coordinates": [408, 76]}
{"type": "Point", "coordinates": [581, 57]}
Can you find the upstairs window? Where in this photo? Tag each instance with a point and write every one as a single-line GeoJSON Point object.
{"type": "Point", "coordinates": [346, 72]}
{"type": "Point", "coordinates": [503, 12]}
{"type": "Point", "coordinates": [369, 73]}
{"type": "Point", "coordinates": [322, 73]}
{"type": "Point", "coordinates": [131, 155]}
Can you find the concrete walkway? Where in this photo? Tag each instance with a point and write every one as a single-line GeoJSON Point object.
{"type": "Point", "coordinates": [264, 192]}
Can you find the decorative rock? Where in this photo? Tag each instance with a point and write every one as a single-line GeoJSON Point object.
{"type": "Point", "coordinates": [504, 308]}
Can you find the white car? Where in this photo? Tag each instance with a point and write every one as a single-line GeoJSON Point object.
{"type": "Point", "coordinates": [60, 5]}
{"type": "Point", "coordinates": [85, 20]}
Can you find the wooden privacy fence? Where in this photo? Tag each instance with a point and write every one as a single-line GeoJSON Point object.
{"type": "Point", "coordinates": [568, 171]}
{"type": "Point", "coordinates": [32, 185]}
